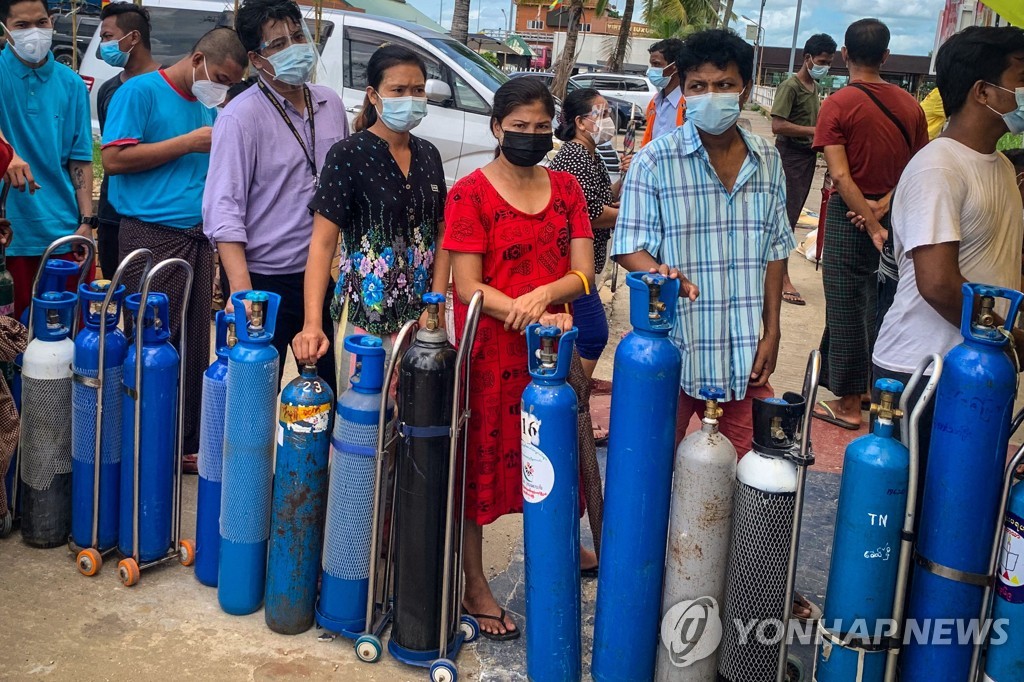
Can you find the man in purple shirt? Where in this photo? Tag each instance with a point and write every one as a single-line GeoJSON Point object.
{"type": "Point", "coordinates": [268, 147]}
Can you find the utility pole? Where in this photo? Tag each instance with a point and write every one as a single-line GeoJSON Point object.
{"type": "Point", "coordinates": [796, 34]}
{"type": "Point", "coordinates": [760, 45]}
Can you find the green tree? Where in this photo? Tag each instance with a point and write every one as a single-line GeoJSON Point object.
{"type": "Point", "coordinates": [618, 54]}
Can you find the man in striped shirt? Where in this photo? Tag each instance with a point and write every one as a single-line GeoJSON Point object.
{"type": "Point", "coordinates": [707, 202]}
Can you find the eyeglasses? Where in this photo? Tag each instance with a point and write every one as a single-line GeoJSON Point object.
{"type": "Point", "coordinates": [278, 44]}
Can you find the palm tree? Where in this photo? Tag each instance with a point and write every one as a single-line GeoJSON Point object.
{"type": "Point", "coordinates": [699, 13]}
{"type": "Point", "coordinates": [460, 21]}
{"type": "Point", "coordinates": [618, 54]}
{"type": "Point", "coordinates": [566, 60]}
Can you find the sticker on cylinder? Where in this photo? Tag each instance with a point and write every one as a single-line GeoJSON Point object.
{"type": "Point", "coordinates": [1011, 563]}
{"type": "Point", "coordinates": [538, 474]}
{"type": "Point", "coordinates": [306, 418]}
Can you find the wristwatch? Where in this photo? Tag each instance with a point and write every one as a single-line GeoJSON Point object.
{"type": "Point", "coordinates": [90, 220]}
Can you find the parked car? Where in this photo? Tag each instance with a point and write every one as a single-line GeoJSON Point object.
{"type": "Point", "coordinates": [621, 109]}
{"type": "Point", "coordinates": [460, 88]}
{"type": "Point", "coordinates": [627, 87]}
{"type": "Point", "coordinates": [63, 41]}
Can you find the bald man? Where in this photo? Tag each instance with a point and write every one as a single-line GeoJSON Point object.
{"type": "Point", "coordinates": [156, 150]}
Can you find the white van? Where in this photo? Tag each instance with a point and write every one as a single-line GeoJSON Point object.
{"type": "Point", "coordinates": [458, 120]}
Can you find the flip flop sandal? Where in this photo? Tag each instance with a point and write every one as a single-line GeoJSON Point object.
{"type": "Point", "coordinates": [495, 636]}
{"type": "Point", "coordinates": [793, 297]}
{"type": "Point", "coordinates": [589, 573]}
{"type": "Point", "coordinates": [600, 440]}
{"type": "Point", "coordinates": [815, 610]}
{"type": "Point", "coordinates": [831, 417]}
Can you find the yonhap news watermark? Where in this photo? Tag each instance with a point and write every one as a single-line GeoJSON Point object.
{"type": "Point", "coordinates": [692, 630]}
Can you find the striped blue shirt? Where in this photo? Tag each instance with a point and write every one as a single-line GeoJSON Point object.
{"type": "Point", "coordinates": [675, 208]}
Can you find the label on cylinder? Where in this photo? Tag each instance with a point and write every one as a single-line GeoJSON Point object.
{"type": "Point", "coordinates": [1011, 561]}
{"type": "Point", "coordinates": [538, 474]}
{"type": "Point", "coordinates": [306, 418]}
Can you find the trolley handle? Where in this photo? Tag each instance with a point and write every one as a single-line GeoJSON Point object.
{"type": "Point", "coordinates": [910, 439]}
{"type": "Point", "coordinates": [810, 392]}
{"type": "Point", "coordinates": [101, 369]}
{"type": "Point", "coordinates": [90, 258]}
{"type": "Point", "coordinates": [186, 294]}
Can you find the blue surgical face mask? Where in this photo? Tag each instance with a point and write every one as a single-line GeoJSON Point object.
{"type": "Point", "coordinates": [112, 54]}
{"type": "Point", "coordinates": [1014, 119]}
{"type": "Point", "coordinates": [818, 72]}
{"type": "Point", "coordinates": [402, 114]}
{"type": "Point", "coordinates": [656, 74]}
{"type": "Point", "coordinates": [714, 112]}
{"type": "Point", "coordinates": [294, 64]}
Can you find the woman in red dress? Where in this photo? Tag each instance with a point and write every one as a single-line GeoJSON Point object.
{"type": "Point", "coordinates": [520, 233]}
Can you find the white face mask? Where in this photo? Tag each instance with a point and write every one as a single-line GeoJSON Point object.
{"type": "Point", "coordinates": [211, 94]}
{"type": "Point", "coordinates": [31, 44]}
{"type": "Point", "coordinates": [605, 130]}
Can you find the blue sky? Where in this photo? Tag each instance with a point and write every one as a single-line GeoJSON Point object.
{"type": "Point", "coordinates": [912, 22]}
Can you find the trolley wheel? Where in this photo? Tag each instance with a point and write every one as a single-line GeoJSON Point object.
{"type": "Point", "coordinates": [794, 669]}
{"type": "Point", "coordinates": [470, 628]}
{"type": "Point", "coordinates": [443, 670]}
{"type": "Point", "coordinates": [89, 561]}
{"type": "Point", "coordinates": [368, 648]}
{"type": "Point", "coordinates": [6, 525]}
{"type": "Point", "coordinates": [128, 571]}
{"type": "Point", "coordinates": [187, 553]}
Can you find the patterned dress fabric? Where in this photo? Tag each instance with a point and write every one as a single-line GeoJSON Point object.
{"type": "Point", "coordinates": [520, 253]}
{"type": "Point", "coordinates": [388, 224]}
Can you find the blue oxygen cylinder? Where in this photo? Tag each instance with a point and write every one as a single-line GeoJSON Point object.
{"type": "Point", "coordinates": [962, 490]}
{"type": "Point", "coordinates": [300, 501]}
{"type": "Point", "coordinates": [211, 454]}
{"type": "Point", "coordinates": [85, 404]}
{"type": "Point", "coordinates": [645, 392]}
{"type": "Point", "coordinates": [551, 509]}
{"type": "Point", "coordinates": [249, 427]}
{"type": "Point", "coordinates": [865, 550]}
{"type": "Point", "coordinates": [346, 557]}
{"type": "Point", "coordinates": [157, 431]}
{"type": "Point", "coordinates": [1006, 654]}
{"type": "Point", "coordinates": [46, 428]}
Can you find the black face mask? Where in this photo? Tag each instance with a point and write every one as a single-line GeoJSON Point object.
{"type": "Point", "coordinates": [526, 149]}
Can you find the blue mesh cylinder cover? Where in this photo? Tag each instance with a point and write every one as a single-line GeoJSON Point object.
{"type": "Point", "coordinates": [425, 393]}
{"type": "Point", "coordinates": [300, 501]}
{"type": "Point", "coordinates": [1006, 653]}
{"type": "Point", "coordinates": [83, 418]}
{"type": "Point", "coordinates": [551, 509]}
{"type": "Point", "coordinates": [157, 432]}
{"type": "Point", "coordinates": [249, 426]}
{"type": "Point", "coordinates": [641, 448]}
{"type": "Point", "coordinates": [865, 550]}
{"type": "Point", "coordinates": [46, 428]}
{"type": "Point", "coordinates": [346, 551]}
{"type": "Point", "coordinates": [211, 455]}
{"type": "Point", "coordinates": [962, 487]}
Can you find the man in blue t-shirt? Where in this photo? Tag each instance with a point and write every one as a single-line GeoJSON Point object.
{"type": "Point", "coordinates": [156, 149]}
{"type": "Point", "coordinates": [45, 117]}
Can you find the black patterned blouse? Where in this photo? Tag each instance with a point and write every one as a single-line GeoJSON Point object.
{"type": "Point", "coordinates": [388, 226]}
{"type": "Point", "coordinates": [590, 172]}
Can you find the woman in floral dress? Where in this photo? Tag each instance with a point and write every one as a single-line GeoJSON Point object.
{"type": "Point", "coordinates": [383, 191]}
{"type": "Point", "coordinates": [519, 233]}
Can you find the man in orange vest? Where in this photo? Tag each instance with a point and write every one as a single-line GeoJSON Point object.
{"type": "Point", "coordinates": [667, 110]}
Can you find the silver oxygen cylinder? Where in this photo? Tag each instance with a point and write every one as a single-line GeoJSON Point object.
{"type": "Point", "coordinates": [704, 479]}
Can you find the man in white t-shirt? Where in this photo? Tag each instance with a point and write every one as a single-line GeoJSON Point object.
{"type": "Point", "coordinates": [956, 210]}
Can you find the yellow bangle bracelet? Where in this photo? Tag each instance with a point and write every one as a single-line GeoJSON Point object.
{"type": "Point", "coordinates": [583, 278]}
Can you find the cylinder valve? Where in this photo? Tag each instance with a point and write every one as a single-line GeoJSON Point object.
{"type": "Point", "coordinates": [886, 408]}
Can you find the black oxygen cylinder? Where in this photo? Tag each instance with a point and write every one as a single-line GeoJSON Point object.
{"type": "Point", "coordinates": [425, 392]}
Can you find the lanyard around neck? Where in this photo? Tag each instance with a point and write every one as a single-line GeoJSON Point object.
{"type": "Point", "coordinates": [309, 154]}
